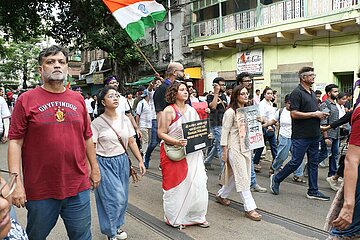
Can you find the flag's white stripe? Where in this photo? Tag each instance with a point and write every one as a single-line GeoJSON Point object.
{"type": "Point", "coordinates": [132, 13]}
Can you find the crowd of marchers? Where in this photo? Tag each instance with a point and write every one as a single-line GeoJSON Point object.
{"type": "Point", "coordinates": [62, 145]}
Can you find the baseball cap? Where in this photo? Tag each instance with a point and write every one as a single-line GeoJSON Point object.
{"type": "Point", "coordinates": [145, 93]}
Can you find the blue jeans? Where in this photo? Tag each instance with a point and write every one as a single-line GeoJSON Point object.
{"type": "Point", "coordinates": [300, 147]}
{"type": "Point", "coordinates": [258, 151]}
{"type": "Point", "coordinates": [253, 176]}
{"type": "Point", "coordinates": [154, 141]}
{"type": "Point", "coordinates": [216, 131]}
{"type": "Point", "coordinates": [112, 194]}
{"type": "Point", "coordinates": [75, 211]}
{"type": "Point", "coordinates": [334, 155]}
{"type": "Point", "coordinates": [284, 148]}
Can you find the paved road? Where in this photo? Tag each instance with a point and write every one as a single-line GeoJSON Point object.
{"type": "Point", "coordinates": [289, 215]}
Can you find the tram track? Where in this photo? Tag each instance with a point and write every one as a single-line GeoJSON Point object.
{"type": "Point", "coordinates": [293, 225]}
{"type": "Point", "coordinates": [156, 225]}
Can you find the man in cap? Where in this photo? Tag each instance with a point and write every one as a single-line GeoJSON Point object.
{"type": "Point", "coordinates": [143, 118]}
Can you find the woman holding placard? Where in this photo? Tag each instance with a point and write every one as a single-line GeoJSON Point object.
{"type": "Point", "coordinates": [184, 182]}
{"type": "Point", "coordinates": [237, 172]}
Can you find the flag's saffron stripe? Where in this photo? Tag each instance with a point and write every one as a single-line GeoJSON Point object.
{"type": "Point", "coordinates": [114, 5]}
{"type": "Point", "coordinates": [134, 15]}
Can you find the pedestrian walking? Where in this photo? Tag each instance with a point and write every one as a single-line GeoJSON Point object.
{"type": "Point", "coordinates": [143, 118]}
{"type": "Point", "coordinates": [112, 135]}
{"type": "Point", "coordinates": [305, 134]}
{"type": "Point", "coordinates": [330, 140]}
{"type": "Point", "coordinates": [174, 71]}
{"type": "Point", "coordinates": [283, 118]}
{"type": "Point", "coordinates": [4, 120]}
{"type": "Point", "coordinates": [185, 195]}
{"type": "Point", "coordinates": [345, 219]}
{"type": "Point", "coordinates": [267, 112]}
{"type": "Point", "coordinates": [217, 104]}
{"type": "Point", "coordinates": [50, 134]}
{"type": "Point", "coordinates": [234, 155]}
{"type": "Point", "coordinates": [124, 107]}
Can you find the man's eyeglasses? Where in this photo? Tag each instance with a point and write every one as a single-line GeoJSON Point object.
{"type": "Point", "coordinates": [7, 183]}
{"type": "Point", "coordinates": [309, 74]}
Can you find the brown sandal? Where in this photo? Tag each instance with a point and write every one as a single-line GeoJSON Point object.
{"type": "Point", "coordinates": [223, 201]}
{"type": "Point", "coordinates": [298, 179]}
{"type": "Point", "coordinates": [271, 171]}
{"type": "Point", "coordinates": [253, 215]}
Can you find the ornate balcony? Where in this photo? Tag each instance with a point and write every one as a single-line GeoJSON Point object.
{"type": "Point", "coordinates": [268, 16]}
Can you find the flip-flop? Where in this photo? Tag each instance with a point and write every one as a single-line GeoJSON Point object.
{"type": "Point", "coordinates": [223, 201]}
{"type": "Point", "coordinates": [205, 224]}
{"type": "Point", "coordinates": [298, 180]}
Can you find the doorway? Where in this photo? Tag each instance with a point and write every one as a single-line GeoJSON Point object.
{"type": "Point", "coordinates": [345, 81]}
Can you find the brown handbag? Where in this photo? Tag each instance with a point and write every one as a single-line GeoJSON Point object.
{"type": "Point", "coordinates": [133, 174]}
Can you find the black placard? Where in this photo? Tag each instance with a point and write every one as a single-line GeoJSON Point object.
{"type": "Point", "coordinates": [197, 135]}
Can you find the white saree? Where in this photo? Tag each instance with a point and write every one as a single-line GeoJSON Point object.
{"type": "Point", "coordinates": [184, 182]}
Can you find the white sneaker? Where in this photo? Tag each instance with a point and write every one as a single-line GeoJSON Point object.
{"type": "Point", "coordinates": [333, 183]}
{"type": "Point", "coordinates": [258, 188]}
{"type": "Point", "coordinates": [120, 235]}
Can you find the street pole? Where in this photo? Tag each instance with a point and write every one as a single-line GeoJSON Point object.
{"type": "Point", "coordinates": [170, 36]}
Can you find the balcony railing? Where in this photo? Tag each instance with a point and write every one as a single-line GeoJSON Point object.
{"type": "Point", "coordinates": [270, 14]}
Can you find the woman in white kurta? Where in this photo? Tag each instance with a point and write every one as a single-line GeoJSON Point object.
{"type": "Point", "coordinates": [184, 182]}
{"type": "Point", "coordinates": [238, 160]}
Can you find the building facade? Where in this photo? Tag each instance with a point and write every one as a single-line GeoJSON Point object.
{"type": "Point", "coordinates": [274, 39]}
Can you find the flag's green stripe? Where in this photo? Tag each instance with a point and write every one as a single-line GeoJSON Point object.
{"type": "Point", "coordinates": [136, 30]}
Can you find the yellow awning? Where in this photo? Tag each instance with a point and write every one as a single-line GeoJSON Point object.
{"type": "Point", "coordinates": [193, 72]}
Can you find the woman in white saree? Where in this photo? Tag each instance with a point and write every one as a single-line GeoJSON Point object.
{"type": "Point", "coordinates": [184, 182]}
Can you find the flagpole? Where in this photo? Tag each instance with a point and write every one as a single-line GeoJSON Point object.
{"type": "Point", "coordinates": [146, 59]}
{"type": "Point", "coordinates": [170, 35]}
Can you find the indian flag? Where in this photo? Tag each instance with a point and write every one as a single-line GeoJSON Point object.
{"type": "Point", "coordinates": [136, 15]}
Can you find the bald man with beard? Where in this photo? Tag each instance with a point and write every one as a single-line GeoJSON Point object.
{"type": "Point", "coordinates": [174, 71]}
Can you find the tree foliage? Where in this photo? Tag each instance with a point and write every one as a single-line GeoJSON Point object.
{"type": "Point", "coordinates": [18, 62]}
{"type": "Point", "coordinates": [78, 24]}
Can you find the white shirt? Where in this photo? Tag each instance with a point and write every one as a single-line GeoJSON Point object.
{"type": "Point", "coordinates": [88, 105]}
{"type": "Point", "coordinates": [256, 99]}
{"type": "Point", "coordinates": [152, 105]}
{"type": "Point", "coordinates": [341, 109]}
{"type": "Point", "coordinates": [123, 105]}
{"type": "Point", "coordinates": [193, 99]}
{"type": "Point", "coordinates": [228, 98]}
{"type": "Point", "coordinates": [107, 143]}
{"type": "Point", "coordinates": [285, 122]}
{"type": "Point", "coordinates": [143, 109]}
{"type": "Point", "coordinates": [266, 109]}
{"type": "Point", "coordinates": [4, 112]}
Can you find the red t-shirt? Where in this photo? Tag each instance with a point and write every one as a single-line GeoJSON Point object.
{"type": "Point", "coordinates": [54, 127]}
{"type": "Point", "coordinates": [355, 128]}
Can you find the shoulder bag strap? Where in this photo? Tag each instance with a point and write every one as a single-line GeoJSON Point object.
{"type": "Point", "coordinates": [222, 102]}
{"type": "Point", "coordinates": [117, 135]}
